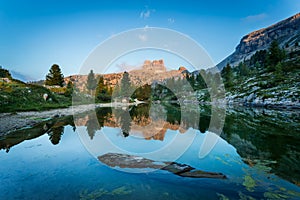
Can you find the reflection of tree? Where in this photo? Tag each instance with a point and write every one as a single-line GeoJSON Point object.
{"type": "Point", "coordinates": [92, 125]}
{"type": "Point", "coordinates": [17, 137]}
{"type": "Point", "coordinates": [124, 120]}
{"type": "Point", "coordinates": [265, 135]}
{"type": "Point", "coordinates": [103, 115]}
{"type": "Point", "coordinates": [173, 118]}
{"type": "Point", "coordinates": [204, 123]}
{"type": "Point", "coordinates": [70, 121]}
{"type": "Point", "coordinates": [125, 124]}
{"type": "Point", "coordinates": [204, 120]}
{"type": "Point", "coordinates": [55, 134]}
{"type": "Point", "coordinates": [96, 120]}
{"type": "Point", "coordinates": [140, 114]}
{"type": "Point", "coordinates": [173, 113]}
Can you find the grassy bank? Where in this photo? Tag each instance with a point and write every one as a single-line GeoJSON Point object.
{"type": "Point", "coordinates": [18, 96]}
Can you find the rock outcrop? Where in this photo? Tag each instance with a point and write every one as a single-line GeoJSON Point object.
{"type": "Point", "coordinates": [286, 32]}
{"type": "Point", "coordinates": [154, 71]}
{"type": "Point", "coordinates": [151, 71]}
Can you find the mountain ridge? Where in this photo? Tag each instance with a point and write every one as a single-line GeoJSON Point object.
{"type": "Point", "coordinates": [148, 73]}
{"type": "Point", "coordinates": [286, 32]}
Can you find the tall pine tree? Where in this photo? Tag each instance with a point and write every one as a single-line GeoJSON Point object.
{"type": "Point", "coordinates": [102, 93]}
{"type": "Point", "coordinates": [69, 89]}
{"type": "Point", "coordinates": [91, 82]}
{"type": "Point", "coordinates": [227, 74]}
{"type": "Point", "coordinates": [55, 76]}
{"type": "Point", "coordinates": [243, 69]}
{"type": "Point", "coordinates": [275, 55]}
{"type": "Point", "coordinates": [126, 85]}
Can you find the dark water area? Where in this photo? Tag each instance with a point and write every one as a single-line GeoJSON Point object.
{"type": "Point", "coordinates": [258, 152]}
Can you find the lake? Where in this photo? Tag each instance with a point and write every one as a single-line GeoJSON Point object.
{"type": "Point", "coordinates": [257, 155]}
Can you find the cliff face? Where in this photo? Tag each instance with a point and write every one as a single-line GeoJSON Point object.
{"type": "Point", "coordinates": [286, 32]}
{"type": "Point", "coordinates": [151, 71]}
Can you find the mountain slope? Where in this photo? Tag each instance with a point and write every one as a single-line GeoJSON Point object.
{"type": "Point", "coordinates": [286, 32]}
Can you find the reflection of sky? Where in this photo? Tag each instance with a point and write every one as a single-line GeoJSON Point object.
{"type": "Point", "coordinates": [182, 146]}
{"type": "Point", "coordinates": [36, 169]}
{"type": "Point", "coordinates": [45, 147]}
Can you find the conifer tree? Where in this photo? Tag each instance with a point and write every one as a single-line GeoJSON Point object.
{"type": "Point", "coordinates": [228, 76]}
{"type": "Point", "coordinates": [69, 89]}
{"type": "Point", "coordinates": [125, 85]}
{"type": "Point", "coordinates": [91, 82]}
{"type": "Point", "coordinates": [55, 76]}
{"type": "Point", "coordinates": [275, 55]}
{"type": "Point", "coordinates": [102, 93]}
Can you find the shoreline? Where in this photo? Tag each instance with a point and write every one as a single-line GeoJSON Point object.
{"type": "Point", "coordinates": [11, 122]}
{"type": "Point", "coordinates": [270, 106]}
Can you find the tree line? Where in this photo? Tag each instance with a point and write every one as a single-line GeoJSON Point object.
{"type": "Point", "coordinates": [95, 85]}
{"type": "Point", "coordinates": [272, 60]}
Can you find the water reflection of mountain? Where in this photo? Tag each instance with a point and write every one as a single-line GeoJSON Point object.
{"type": "Point", "coordinates": [260, 136]}
{"type": "Point", "coordinates": [149, 121]}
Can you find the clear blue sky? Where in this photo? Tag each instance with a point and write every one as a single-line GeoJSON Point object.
{"type": "Point", "coordinates": [36, 34]}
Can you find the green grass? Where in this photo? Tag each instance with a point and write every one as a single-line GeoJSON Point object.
{"type": "Point", "coordinates": [18, 96]}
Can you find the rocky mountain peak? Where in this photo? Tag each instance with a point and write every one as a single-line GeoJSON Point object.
{"type": "Point", "coordinates": [286, 32]}
{"type": "Point", "coordinates": [181, 69]}
{"type": "Point", "coordinates": [155, 65]}
{"type": "Point", "coordinates": [149, 72]}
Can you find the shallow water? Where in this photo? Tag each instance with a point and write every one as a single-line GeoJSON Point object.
{"type": "Point", "coordinates": [258, 152]}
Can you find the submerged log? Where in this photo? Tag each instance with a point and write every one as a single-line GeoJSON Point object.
{"type": "Point", "coordinates": [137, 162]}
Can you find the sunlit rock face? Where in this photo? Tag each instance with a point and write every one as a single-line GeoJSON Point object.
{"type": "Point", "coordinates": [148, 73]}
{"type": "Point", "coordinates": [152, 71]}
{"type": "Point", "coordinates": [156, 66]}
{"type": "Point", "coordinates": [286, 32]}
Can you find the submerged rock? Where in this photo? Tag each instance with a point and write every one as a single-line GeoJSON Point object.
{"type": "Point", "coordinates": [202, 174]}
{"type": "Point", "coordinates": [177, 168]}
{"type": "Point", "coordinates": [137, 162]}
{"type": "Point", "coordinates": [128, 161]}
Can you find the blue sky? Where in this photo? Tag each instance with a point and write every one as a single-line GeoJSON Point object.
{"type": "Point", "coordinates": [36, 34]}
